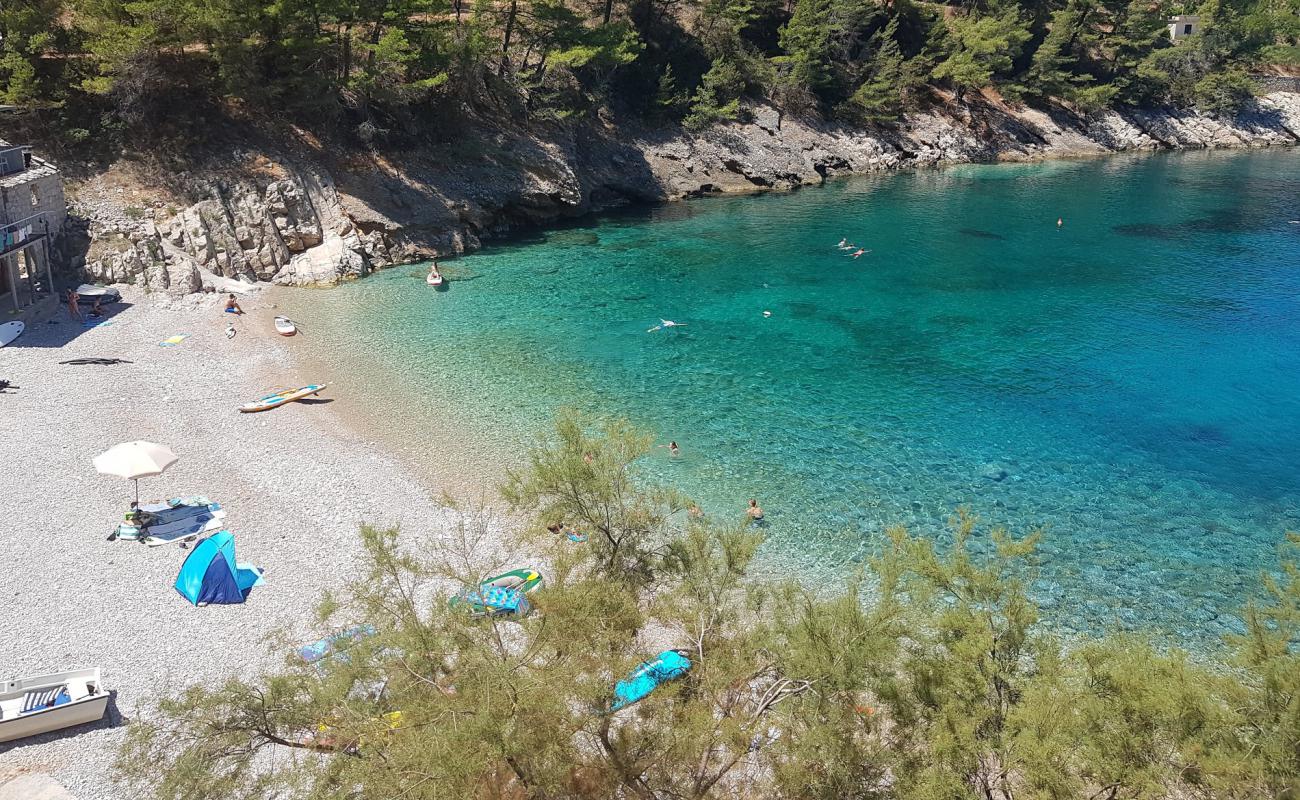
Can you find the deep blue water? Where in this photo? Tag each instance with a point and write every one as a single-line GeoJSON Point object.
{"type": "Point", "coordinates": [1130, 382]}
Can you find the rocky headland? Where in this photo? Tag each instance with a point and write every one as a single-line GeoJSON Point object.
{"type": "Point", "coordinates": [305, 215]}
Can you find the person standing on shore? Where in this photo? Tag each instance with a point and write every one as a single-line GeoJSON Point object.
{"type": "Point", "coordinates": [73, 310]}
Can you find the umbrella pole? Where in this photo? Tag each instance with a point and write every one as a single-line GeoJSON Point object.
{"type": "Point", "coordinates": [136, 481]}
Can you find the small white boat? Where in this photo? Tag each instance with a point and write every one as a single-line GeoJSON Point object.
{"type": "Point", "coordinates": [285, 327]}
{"type": "Point", "coordinates": [434, 279]}
{"type": "Point", "coordinates": [45, 703]}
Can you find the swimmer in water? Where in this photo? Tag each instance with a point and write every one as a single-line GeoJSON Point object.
{"type": "Point", "coordinates": [860, 253]}
{"type": "Point", "coordinates": [1060, 221]}
{"type": "Point", "coordinates": [754, 511]}
{"type": "Point", "coordinates": [673, 449]}
{"type": "Point", "coordinates": [666, 323]}
{"type": "Point", "coordinates": [844, 244]}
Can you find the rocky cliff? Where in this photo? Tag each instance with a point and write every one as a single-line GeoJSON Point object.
{"type": "Point", "coordinates": [309, 219]}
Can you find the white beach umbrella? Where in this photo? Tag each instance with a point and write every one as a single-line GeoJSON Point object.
{"type": "Point", "coordinates": [135, 460]}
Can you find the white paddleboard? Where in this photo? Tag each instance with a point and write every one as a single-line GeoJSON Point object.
{"type": "Point", "coordinates": [285, 327]}
{"type": "Point", "coordinates": [10, 331]}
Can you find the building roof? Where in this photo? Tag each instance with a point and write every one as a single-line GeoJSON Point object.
{"type": "Point", "coordinates": [40, 168]}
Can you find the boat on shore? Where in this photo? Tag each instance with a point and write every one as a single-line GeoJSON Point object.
{"type": "Point", "coordinates": [44, 703]}
{"type": "Point", "coordinates": [285, 326]}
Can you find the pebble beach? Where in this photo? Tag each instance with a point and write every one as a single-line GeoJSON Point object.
{"type": "Point", "coordinates": [295, 483]}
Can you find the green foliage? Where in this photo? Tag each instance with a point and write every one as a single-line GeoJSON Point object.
{"type": "Point", "coordinates": [927, 676]}
{"type": "Point", "coordinates": [718, 98]}
{"type": "Point", "coordinates": [881, 97]}
{"type": "Point", "coordinates": [136, 69]}
{"type": "Point", "coordinates": [980, 47]}
{"type": "Point", "coordinates": [590, 483]}
{"type": "Point", "coordinates": [1224, 92]}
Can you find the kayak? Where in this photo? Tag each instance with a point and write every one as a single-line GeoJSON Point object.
{"type": "Point", "coordinates": [667, 666]}
{"type": "Point", "coordinates": [502, 594]}
{"type": "Point", "coordinates": [285, 327]}
{"type": "Point", "coordinates": [105, 294]}
{"type": "Point", "coordinates": [280, 398]}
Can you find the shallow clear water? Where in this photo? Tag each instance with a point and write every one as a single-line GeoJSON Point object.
{"type": "Point", "coordinates": [1130, 381]}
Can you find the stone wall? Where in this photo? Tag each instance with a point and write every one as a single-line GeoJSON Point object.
{"type": "Point", "coordinates": [38, 190]}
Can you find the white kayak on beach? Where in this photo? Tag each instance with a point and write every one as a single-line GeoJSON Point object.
{"type": "Point", "coordinates": [10, 331]}
{"type": "Point", "coordinates": [285, 327]}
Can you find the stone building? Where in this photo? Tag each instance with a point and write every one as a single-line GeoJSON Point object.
{"type": "Point", "coordinates": [1183, 25]}
{"type": "Point", "coordinates": [32, 211]}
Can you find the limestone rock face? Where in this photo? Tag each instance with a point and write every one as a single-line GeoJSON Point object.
{"type": "Point", "coordinates": [298, 223]}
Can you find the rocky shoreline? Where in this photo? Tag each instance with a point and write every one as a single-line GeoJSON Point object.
{"type": "Point", "coordinates": [312, 219]}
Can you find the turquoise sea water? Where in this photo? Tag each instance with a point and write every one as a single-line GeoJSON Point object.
{"type": "Point", "coordinates": [1130, 381]}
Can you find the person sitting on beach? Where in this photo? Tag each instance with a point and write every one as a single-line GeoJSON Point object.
{"type": "Point", "coordinates": [754, 511]}
{"type": "Point", "coordinates": [139, 519]}
{"type": "Point", "coordinates": [232, 305]}
{"type": "Point", "coordinates": [94, 309]}
{"type": "Point", "coordinates": [73, 299]}
{"type": "Point", "coordinates": [560, 529]}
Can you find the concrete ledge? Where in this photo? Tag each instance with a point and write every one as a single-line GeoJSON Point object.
{"type": "Point", "coordinates": [33, 786]}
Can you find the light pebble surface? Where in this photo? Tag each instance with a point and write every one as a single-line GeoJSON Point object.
{"type": "Point", "coordinates": [295, 483]}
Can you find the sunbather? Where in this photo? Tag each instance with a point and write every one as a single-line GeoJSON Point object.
{"type": "Point", "coordinates": [139, 518]}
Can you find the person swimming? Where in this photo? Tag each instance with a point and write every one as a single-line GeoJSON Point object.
{"type": "Point", "coordinates": [673, 449]}
{"type": "Point", "coordinates": [860, 253]}
{"type": "Point", "coordinates": [755, 512]}
{"type": "Point", "coordinates": [844, 244]}
{"type": "Point", "coordinates": [1060, 221]}
{"type": "Point", "coordinates": [666, 323]}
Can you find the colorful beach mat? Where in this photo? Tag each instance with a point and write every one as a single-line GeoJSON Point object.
{"type": "Point", "coordinates": [175, 340]}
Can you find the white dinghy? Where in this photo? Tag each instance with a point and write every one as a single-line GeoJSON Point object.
{"type": "Point", "coordinates": [45, 703]}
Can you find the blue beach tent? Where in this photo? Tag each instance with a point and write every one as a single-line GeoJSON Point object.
{"type": "Point", "coordinates": [211, 575]}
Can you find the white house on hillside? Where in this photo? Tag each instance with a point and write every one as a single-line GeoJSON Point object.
{"type": "Point", "coordinates": [1183, 25]}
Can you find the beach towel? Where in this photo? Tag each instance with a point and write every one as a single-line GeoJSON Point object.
{"type": "Point", "coordinates": [175, 340]}
{"type": "Point", "coordinates": [96, 323]}
{"type": "Point", "coordinates": [177, 519]}
{"type": "Point", "coordinates": [44, 698]}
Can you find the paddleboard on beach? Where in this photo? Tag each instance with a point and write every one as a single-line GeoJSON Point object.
{"type": "Point", "coordinates": [285, 326]}
{"type": "Point", "coordinates": [280, 398]}
{"type": "Point", "coordinates": [10, 331]}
